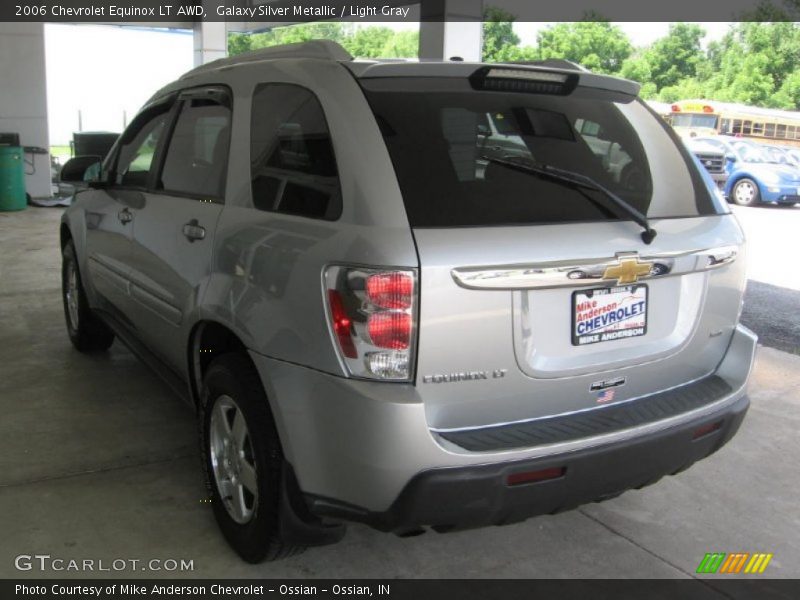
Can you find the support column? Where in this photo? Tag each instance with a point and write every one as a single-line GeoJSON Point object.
{"type": "Point", "coordinates": [441, 37]}
{"type": "Point", "coordinates": [210, 41]}
{"type": "Point", "coordinates": [23, 98]}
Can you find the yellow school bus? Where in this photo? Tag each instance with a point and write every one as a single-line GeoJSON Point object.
{"type": "Point", "coordinates": [691, 118]}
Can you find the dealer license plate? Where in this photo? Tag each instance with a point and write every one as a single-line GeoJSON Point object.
{"type": "Point", "coordinates": [606, 314]}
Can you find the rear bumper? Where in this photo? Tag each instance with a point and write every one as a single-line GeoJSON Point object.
{"type": "Point", "coordinates": [363, 451]}
{"type": "Point", "coordinates": [458, 498]}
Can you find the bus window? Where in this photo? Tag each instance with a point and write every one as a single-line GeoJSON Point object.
{"type": "Point", "coordinates": [769, 130]}
{"type": "Point", "coordinates": [725, 126]}
{"type": "Point", "coordinates": [737, 126]}
{"type": "Point", "coordinates": [791, 132]}
{"type": "Point", "coordinates": [747, 128]}
{"type": "Point", "coordinates": [758, 129]}
{"type": "Point", "coordinates": [780, 131]}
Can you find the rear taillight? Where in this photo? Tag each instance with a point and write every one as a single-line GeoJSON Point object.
{"type": "Point", "coordinates": [372, 316]}
{"type": "Point", "coordinates": [342, 326]}
{"type": "Point", "coordinates": [391, 290]}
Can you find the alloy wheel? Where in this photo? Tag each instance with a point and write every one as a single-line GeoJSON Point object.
{"type": "Point", "coordinates": [232, 460]}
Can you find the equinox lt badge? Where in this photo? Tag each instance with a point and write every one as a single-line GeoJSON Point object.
{"type": "Point", "coordinates": [464, 376]}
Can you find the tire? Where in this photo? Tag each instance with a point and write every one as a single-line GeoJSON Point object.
{"type": "Point", "coordinates": [86, 332]}
{"type": "Point", "coordinates": [745, 192]}
{"type": "Point", "coordinates": [243, 472]}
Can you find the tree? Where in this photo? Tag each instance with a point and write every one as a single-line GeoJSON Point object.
{"type": "Point", "coordinates": [637, 68]}
{"type": "Point", "coordinates": [239, 43]}
{"type": "Point", "coordinates": [597, 45]}
{"type": "Point", "coordinates": [361, 42]}
{"type": "Point", "coordinates": [498, 35]}
{"type": "Point", "coordinates": [788, 96]}
{"type": "Point", "coordinates": [368, 42]}
{"type": "Point", "coordinates": [677, 55]}
{"type": "Point", "coordinates": [403, 44]}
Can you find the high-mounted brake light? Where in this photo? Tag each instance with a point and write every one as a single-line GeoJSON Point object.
{"type": "Point", "coordinates": [532, 81]}
{"type": "Point", "coordinates": [529, 75]}
{"type": "Point", "coordinates": [371, 313]}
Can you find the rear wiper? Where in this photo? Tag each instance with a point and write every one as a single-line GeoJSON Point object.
{"type": "Point", "coordinates": [578, 179]}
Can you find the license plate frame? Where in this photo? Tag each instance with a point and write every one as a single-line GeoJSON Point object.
{"type": "Point", "coordinates": [598, 299]}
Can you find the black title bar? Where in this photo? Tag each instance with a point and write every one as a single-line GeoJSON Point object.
{"type": "Point", "coordinates": [425, 589]}
{"type": "Point", "coordinates": [183, 13]}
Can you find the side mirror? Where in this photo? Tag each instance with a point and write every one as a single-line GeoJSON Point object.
{"type": "Point", "coordinates": [731, 158]}
{"type": "Point", "coordinates": [81, 169]}
{"type": "Point", "coordinates": [483, 130]}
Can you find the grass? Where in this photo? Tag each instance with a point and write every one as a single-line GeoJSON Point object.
{"type": "Point", "coordinates": [62, 152]}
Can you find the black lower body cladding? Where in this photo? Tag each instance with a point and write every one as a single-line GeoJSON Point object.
{"type": "Point", "coordinates": [464, 497]}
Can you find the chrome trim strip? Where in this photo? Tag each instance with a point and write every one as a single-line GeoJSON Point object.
{"type": "Point", "coordinates": [590, 271]}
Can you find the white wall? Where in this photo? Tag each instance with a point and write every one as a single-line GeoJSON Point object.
{"type": "Point", "coordinates": [23, 96]}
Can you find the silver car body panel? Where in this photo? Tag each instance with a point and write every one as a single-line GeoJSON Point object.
{"type": "Point", "coordinates": [526, 332]}
{"type": "Point", "coordinates": [360, 441]}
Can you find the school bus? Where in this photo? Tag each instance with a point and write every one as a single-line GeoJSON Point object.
{"type": "Point", "coordinates": [691, 118]}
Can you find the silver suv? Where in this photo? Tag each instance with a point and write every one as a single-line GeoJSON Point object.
{"type": "Point", "coordinates": [379, 321]}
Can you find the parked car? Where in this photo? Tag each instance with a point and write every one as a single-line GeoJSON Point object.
{"type": "Point", "coordinates": [783, 155]}
{"type": "Point", "coordinates": [378, 322]}
{"type": "Point", "coordinates": [755, 176]}
{"type": "Point", "coordinates": [711, 158]}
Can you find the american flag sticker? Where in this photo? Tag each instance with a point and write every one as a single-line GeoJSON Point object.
{"type": "Point", "coordinates": [605, 396]}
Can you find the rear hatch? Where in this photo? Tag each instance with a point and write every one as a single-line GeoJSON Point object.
{"type": "Point", "coordinates": [539, 293]}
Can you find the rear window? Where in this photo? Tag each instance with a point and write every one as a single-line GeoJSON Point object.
{"type": "Point", "coordinates": [448, 143]}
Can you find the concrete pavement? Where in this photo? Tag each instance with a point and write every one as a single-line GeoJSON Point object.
{"type": "Point", "coordinates": [98, 460]}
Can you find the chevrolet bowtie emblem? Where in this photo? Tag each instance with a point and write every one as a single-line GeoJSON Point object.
{"type": "Point", "coordinates": [628, 270]}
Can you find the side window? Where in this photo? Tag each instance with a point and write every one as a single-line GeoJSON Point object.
{"type": "Point", "coordinates": [293, 167]}
{"type": "Point", "coordinates": [136, 151]}
{"type": "Point", "coordinates": [196, 161]}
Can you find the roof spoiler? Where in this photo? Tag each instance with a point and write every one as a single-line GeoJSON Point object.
{"type": "Point", "coordinates": [574, 74]}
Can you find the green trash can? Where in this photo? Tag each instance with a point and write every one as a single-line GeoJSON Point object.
{"type": "Point", "coordinates": [12, 179]}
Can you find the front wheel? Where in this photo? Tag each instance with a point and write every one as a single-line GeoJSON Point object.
{"type": "Point", "coordinates": [86, 332]}
{"type": "Point", "coordinates": [243, 460]}
{"type": "Point", "coordinates": [745, 192]}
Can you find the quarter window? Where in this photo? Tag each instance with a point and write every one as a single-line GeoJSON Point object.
{"type": "Point", "coordinates": [138, 147]}
{"type": "Point", "coordinates": [293, 166]}
{"type": "Point", "coordinates": [197, 158]}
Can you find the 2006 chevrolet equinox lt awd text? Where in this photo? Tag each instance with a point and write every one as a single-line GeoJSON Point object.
{"type": "Point", "coordinates": [413, 295]}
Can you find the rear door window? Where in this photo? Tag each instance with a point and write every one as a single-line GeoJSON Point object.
{"type": "Point", "coordinates": [448, 143]}
{"type": "Point", "coordinates": [293, 165]}
{"type": "Point", "coordinates": [197, 156]}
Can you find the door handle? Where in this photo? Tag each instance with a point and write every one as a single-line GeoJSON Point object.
{"type": "Point", "coordinates": [125, 216]}
{"type": "Point", "coordinates": [194, 231]}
